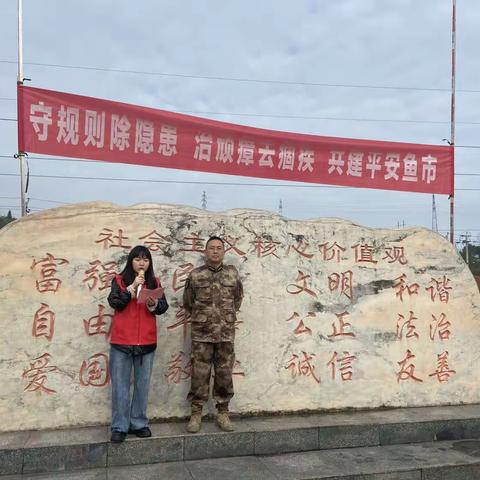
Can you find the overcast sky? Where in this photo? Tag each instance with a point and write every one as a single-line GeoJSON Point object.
{"type": "Point", "coordinates": [355, 46]}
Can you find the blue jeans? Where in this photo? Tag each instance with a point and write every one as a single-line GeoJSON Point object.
{"type": "Point", "coordinates": [129, 414]}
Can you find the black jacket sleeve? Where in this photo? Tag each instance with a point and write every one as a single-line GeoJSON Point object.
{"type": "Point", "coordinates": [117, 299]}
{"type": "Point", "coordinates": [162, 306]}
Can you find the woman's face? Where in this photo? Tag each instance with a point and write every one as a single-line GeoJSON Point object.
{"type": "Point", "coordinates": [140, 263]}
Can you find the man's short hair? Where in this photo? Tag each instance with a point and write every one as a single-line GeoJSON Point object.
{"type": "Point", "coordinates": [214, 237]}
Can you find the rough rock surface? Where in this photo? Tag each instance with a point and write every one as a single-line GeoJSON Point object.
{"type": "Point", "coordinates": [335, 315]}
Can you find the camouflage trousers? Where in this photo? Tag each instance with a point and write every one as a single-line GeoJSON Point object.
{"type": "Point", "coordinates": [222, 357]}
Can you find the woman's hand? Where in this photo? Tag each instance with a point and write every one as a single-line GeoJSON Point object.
{"type": "Point", "coordinates": [151, 302]}
{"type": "Point", "coordinates": [139, 280]}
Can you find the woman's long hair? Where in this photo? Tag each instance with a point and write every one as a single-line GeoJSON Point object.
{"type": "Point", "coordinates": [128, 274]}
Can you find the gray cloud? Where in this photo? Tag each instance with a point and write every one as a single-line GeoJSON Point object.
{"type": "Point", "coordinates": [370, 42]}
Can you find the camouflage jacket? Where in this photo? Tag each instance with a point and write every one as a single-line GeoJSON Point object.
{"type": "Point", "coordinates": [212, 297]}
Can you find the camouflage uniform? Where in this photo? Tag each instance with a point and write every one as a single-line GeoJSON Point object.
{"type": "Point", "coordinates": [212, 296]}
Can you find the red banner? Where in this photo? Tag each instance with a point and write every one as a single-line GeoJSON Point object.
{"type": "Point", "coordinates": [69, 125]}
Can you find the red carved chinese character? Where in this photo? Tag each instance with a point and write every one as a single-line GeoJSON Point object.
{"type": "Point", "coordinates": [176, 372]}
{"type": "Point", "coordinates": [364, 253]}
{"type": "Point", "coordinates": [341, 327]}
{"type": "Point", "coordinates": [441, 326]}
{"type": "Point", "coordinates": [443, 371]}
{"type": "Point", "coordinates": [237, 324]}
{"type": "Point", "coordinates": [401, 286]}
{"type": "Point", "coordinates": [296, 289]}
{"type": "Point", "coordinates": [154, 241]}
{"type": "Point", "coordinates": [264, 248]}
{"type": "Point", "coordinates": [301, 327]}
{"type": "Point", "coordinates": [231, 243]}
{"type": "Point", "coordinates": [110, 240]}
{"type": "Point", "coordinates": [302, 367]}
{"type": "Point", "coordinates": [180, 276]}
{"type": "Point", "coordinates": [342, 282]}
{"type": "Point", "coordinates": [94, 371]}
{"type": "Point", "coordinates": [407, 371]}
{"type": "Point", "coordinates": [193, 244]}
{"type": "Point", "coordinates": [345, 362]}
{"type": "Point", "coordinates": [93, 275]}
{"type": "Point", "coordinates": [410, 326]}
{"type": "Point", "coordinates": [439, 287]}
{"type": "Point", "coordinates": [44, 322]}
{"type": "Point", "coordinates": [329, 253]}
{"type": "Point", "coordinates": [99, 324]}
{"type": "Point", "coordinates": [237, 369]}
{"type": "Point", "coordinates": [395, 254]}
{"type": "Point", "coordinates": [182, 320]}
{"type": "Point", "coordinates": [48, 270]}
{"type": "Point", "coordinates": [301, 248]}
{"type": "Point", "coordinates": [36, 375]}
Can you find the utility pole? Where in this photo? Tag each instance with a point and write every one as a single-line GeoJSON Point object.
{"type": "Point", "coordinates": [21, 155]}
{"type": "Point", "coordinates": [434, 215]}
{"type": "Point", "coordinates": [465, 239]}
{"type": "Point", "coordinates": [204, 200]}
{"type": "Point", "coordinates": [452, 116]}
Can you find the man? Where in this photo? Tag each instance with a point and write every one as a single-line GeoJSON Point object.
{"type": "Point", "coordinates": [213, 294]}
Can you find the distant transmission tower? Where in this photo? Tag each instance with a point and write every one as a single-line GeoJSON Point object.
{"type": "Point", "coordinates": [280, 207]}
{"type": "Point", "coordinates": [204, 200]}
{"type": "Point", "coordinates": [434, 215]}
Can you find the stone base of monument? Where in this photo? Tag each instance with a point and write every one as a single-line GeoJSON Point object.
{"type": "Point", "coordinates": [430, 443]}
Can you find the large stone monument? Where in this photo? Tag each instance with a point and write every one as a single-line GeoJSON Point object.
{"type": "Point", "coordinates": [335, 315]}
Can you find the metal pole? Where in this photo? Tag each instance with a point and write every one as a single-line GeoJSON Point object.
{"type": "Point", "coordinates": [466, 249]}
{"type": "Point", "coordinates": [452, 120]}
{"type": "Point", "coordinates": [21, 155]}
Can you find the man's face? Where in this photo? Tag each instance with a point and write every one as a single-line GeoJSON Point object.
{"type": "Point", "coordinates": [215, 252]}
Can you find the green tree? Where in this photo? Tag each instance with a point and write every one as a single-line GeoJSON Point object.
{"type": "Point", "coordinates": [473, 258]}
{"type": "Point", "coordinates": [6, 219]}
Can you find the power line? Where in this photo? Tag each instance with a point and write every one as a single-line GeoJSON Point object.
{"type": "Point", "coordinates": [45, 200]}
{"type": "Point", "coordinates": [192, 182]}
{"type": "Point", "coordinates": [36, 200]}
{"type": "Point", "coordinates": [240, 79]}
{"type": "Point", "coordinates": [461, 230]}
{"type": "Point", "coordinates": [304, 117]}
{"type": "Point", "coordinates": [342, 119]}
{"type": "Point", "coordinates": [67, 203]}
{"type": "Point", "coordinates": [309, 117]}
{"type": "Point", "coordinates": [53, 159]}
{"type": "Point", "coordinates": [56, 159]}
{"type": "Point", "coordinates": [15, 207]}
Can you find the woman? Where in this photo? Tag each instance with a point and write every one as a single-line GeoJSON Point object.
{"type": "Point", "coordinates": [133, 343]}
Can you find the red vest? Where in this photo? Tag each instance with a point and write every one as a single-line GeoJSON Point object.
{"type": "Point", "coordinates": [135, 324]}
